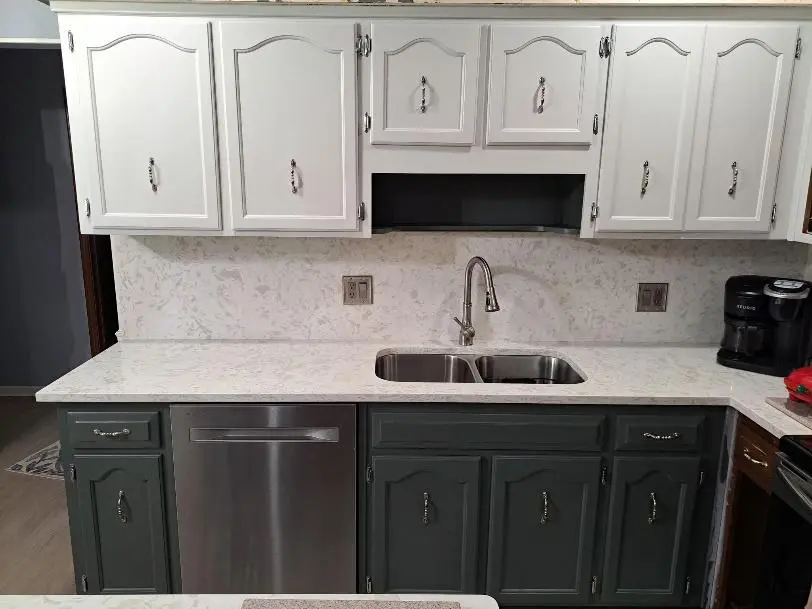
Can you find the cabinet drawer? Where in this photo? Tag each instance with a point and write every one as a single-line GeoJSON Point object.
{"type": "Point", "coordinates": [754, 456]}
{"type": "Point", "coordinates": [660, 433]}
{"type": "Point", "coordinates": [107, 430]}
{"type": "Point", "coordinates": [487, 431]}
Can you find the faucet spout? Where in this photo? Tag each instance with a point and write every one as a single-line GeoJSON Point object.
{"type": "Point", "coordinates": [467, 331]}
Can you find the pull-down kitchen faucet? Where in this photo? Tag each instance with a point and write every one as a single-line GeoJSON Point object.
{"type": "Point", "coordinates": [467, 331]}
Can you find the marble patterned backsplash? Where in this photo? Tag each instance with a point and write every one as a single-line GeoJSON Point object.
{"type": "Point", "coordinates": [550, 287]}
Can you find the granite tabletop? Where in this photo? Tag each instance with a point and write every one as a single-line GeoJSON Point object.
{"type": "Point", "coordinates": [344, 372]}
{"type": "Point", "coordinates": [232, 601]}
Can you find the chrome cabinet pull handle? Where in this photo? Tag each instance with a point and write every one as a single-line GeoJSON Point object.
{"type": "Point", "coordinates": [426, 504]}
{"type": "Point", "coordinates": [652, 508]}
{"type": "Point", "coordinates": [153, 175]}
{"type": "Point", "coordinates": [367, 122]}
{"type": "Point", "coordinates": [753, 460]}
{"type": "Point", "coordinates": [121, 508]}
{"type": "Point", "coordinates": [545, 511]}
{"type": "Point", "coordinates": [732, 190]}
{"type": "Point", "coordinates": [674, 435]}
{"type": "Point", "coordinates": [111, 434]}
{"type": "Point", "coordinates": [542, 92]}
{"type": "Point", "coordinates": [293, 187]}
{"type": "Point", "coordinates": [423, 103]}
{"type": "Point", "coordinates": [644, 183]}
{"type": "Point", "coordinates": [604, 475]}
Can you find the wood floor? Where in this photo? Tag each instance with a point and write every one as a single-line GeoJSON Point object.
{"type": "Point", "coordinates": [35, 553]}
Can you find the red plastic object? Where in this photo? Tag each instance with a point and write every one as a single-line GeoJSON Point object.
{"type": "Point", "coordinates": [799, 385]}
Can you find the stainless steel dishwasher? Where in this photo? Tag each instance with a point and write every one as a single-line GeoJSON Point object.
{"type": "Point", "coordinates": [266, 497]}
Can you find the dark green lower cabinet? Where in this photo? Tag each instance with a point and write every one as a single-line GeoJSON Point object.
{"type": "Point", "coordinates": [651, 506]}
{"type": "Point", "coordinates": [542, 529]}
{"type": "Point", "coordinates": [424, 517]}
{"type": "Point", "coordinates": [121, 510]}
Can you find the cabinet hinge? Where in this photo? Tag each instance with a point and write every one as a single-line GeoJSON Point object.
{"type": "Point", "coordinates": [70, 41]}
{"type": "Point", "coordinates": [798, 48]}
{"type": "Point", "coordinates": [701, 478]}
{"type": "Point", "coordinates": [363, 45]}
{"type": "Point", "coordinates": [594, 587]}
{"type": "Point", "coordinates": [593, 214]}
{"type": "Point", "coordinates": [83, 579]}
{"type": "Point", "coordinates": [72, 472]}
{"type": "Point", "coordinates": [595, 125]}
{"type": "Point", "coordinates": [369, 585]}
{"type": "Point", "coordinates": [772, 214]}
{"type": "Point", "coordinates": [362, 211]}
{"type": "Point", "coordinates": [370, 476]}
{"type": "Point", "coordinates": [87, 207]}
{"type": "Point", "coordinates": [687, 585]}
{"type": "Point", "coordinates": [604, 47]}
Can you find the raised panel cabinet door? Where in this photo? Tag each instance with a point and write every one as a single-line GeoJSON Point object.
{"type": "Point", "coordinates": [650, 511]}
{"type": "Point", "coordinates": [542, 529]}
{"type": "Point", "coordinates": [650, 115]}
{"type": "Point", "coordinates": [746, 76]}
{"type": "Point", "coordinates": [121, 509]}
{"type": "Point", "coordinates": [144, 107]}
{"type": "Point", "coordinates": [424, 522]}
{"type": "Point", "coordinates": [290, 122]}
{"type": "Point", "coordinates": [424, 82]}
{"type": "Point", "coordinates": [543, 85]}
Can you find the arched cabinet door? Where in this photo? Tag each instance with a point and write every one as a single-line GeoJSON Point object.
{"type": "Point", "coordinates": [424, 82]}
{"type": "Point", "coordinates": [543, 85]}
{"type": "Point", "coordinates": [650, 118]}
{"type": "Point", "coordinates": [289, 90]}
{"type": "Point", "coordinates": [140, 93]}
{"type": "Point", "coordinates": [746, 76]}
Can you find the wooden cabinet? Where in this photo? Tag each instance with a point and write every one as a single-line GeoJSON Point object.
{"type": "Point", "coordinates": [544, 83]}
{"type": "Point", "coordinates": [121, 506]}
{"type": "Point", "coordinates": [746, 76]}
{"type": "Point", "coordinates": [650, 120]}
{"type": "Point", "coordinates": [424, 517]}
{"type": "Point", "coordinates": [290, 124]}
{"type": "Point", "coordinates": [542, 529]}
{"type": "Point", "coordinates": [651, 506]}
{"type": "Point", "coordinates": [425, 81]}
{"type": "Point", "coordinates": [120, 491]}
{"type": "Point", "coordinates": [142, 116]}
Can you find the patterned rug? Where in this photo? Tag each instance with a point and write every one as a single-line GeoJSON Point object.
{"type": "Point", "coordinates": [45, 463]}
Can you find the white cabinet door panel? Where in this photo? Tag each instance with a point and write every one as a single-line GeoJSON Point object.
{"type": "Point", "coordinates": [424, 82]}
{"type": "Point", "coordinates": [650, 116]}
{"type": "Point", "coordinates": [746, 75]}
{"type": "Point", "coordinates": [290, 123]}
{"type": "Point", "coordinates": [145, 101]}
{"type": "Point", "coordinates": [543, 85]}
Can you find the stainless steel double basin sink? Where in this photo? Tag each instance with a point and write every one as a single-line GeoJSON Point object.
{"type": "Point", "coordinates": [533, 369]}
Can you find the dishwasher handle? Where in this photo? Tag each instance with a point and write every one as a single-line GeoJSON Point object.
{"type": "Point", "coordinates": [263, 434]}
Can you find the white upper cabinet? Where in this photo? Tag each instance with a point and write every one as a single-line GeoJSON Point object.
{"type": "Point", "coordinates": [650, 117]}
{"type": "Point", "coordinates": [746, 75]}
{"type": "Point", "coordinates": [424, 82]}
{"type": "Point", "coordinates": [543, 85]}
{"type": "Point", "coordinates": [141, 106]}
{"type": "Point", "coordinates": [289, 90]}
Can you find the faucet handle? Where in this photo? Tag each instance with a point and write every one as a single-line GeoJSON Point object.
{"type": "Point", "coordinates": [466, 329]}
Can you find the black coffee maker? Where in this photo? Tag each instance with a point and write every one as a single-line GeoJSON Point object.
{"type": "Point", "coordinates": [767, 324]}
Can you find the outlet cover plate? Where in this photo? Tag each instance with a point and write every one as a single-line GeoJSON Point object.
{"type": "Point", "coordinates": [652, 297]}
{"type": "Point", "coordinates": [357, 289]}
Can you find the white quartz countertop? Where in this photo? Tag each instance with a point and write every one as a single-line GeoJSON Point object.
{"type": "Point", "coordinates": [344, 372]}
{"type": "Point", "coordinates": [219, 601]}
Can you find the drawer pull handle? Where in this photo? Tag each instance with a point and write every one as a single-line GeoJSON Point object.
{"type": "Point", "coordinates": [542, 93]}
{"type": "Point", "coordinates": [644, 182]}
{"type": "Point", "coordinates": [121, 508]}
{"type": "Point", "coordinates": [734, 166]}
{"type": "Point", "coordinates": [152, 172]}
{"type": "Point", "coordinates": [652, 507]}
{"type": "Point", "coordinates": [294, 188]}
{"type": "Point", "coordinates": [545, 507]}
{"type": "Point", "coordinates": [426, 506]}
{"type": "Point", "coordinates": [111, 434]}
{"type": "Point", "coordinates": [674, 435]}
{"type": "Point", "coordinates": [423, 104]}
{"type": "Point", "coordinates": [753, 460]}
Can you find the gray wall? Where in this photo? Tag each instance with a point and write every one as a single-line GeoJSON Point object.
{"type": "Point", "coordinates": [43, 324]}
{"type": "Point", "coordinates": [27, 19]}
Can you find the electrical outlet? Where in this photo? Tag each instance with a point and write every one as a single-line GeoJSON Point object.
{"type": "Point", "coordinates": [357, 289]}
{"type": "Point", "coordinates": [652, 297]}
